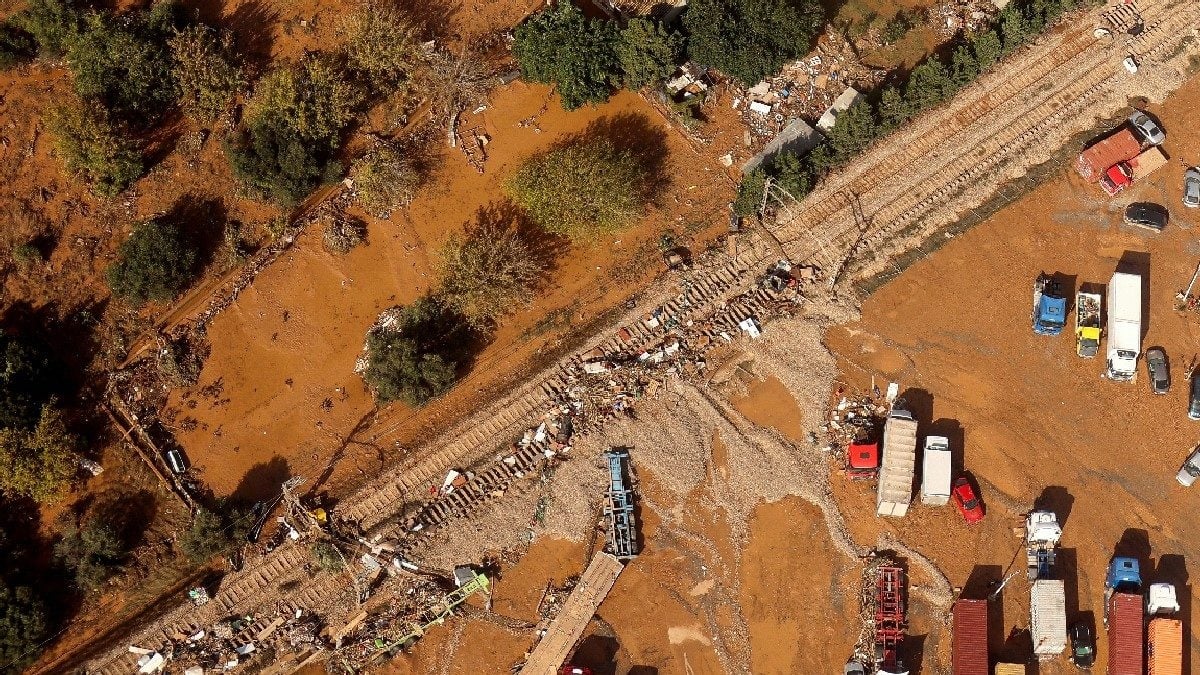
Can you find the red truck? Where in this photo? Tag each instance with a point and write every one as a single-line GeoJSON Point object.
{"type": "Point", "coordinates": [969, 655]}
{"type": "Point", "coordinates": [1116, 148]}
{"type": "Point", "coordinates": [1126, 641]}
{"type": "Point", "coordinates": [1123, 174]}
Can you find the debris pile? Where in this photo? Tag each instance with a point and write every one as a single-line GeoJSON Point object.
{"type": "Point", "coordinates": [854, 419]}
{"type": "Point", "coordinates": [962, 16]}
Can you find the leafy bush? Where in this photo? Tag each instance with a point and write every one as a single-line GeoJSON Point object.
{"type": "Point", "coordinates": [313, 98]}
{"type": "Point", "coordinates": [22, 625]}
{"type": "Point", "coordinates": [750, 193]}
{"type": "Point", "coordinates": [212, 533]}
{"type": "Point", "coordinates": [125, 64]}
{"type": "Point", "coordinates": [384, 180]}
{"type": "Point", "coordinates": [487, 271]}
{"type": "Point", "coordinates": [581, 190]}
{"type": "Point", "coordinates": [92, 146]}
{"type": "Point", "coordinates": [51, 23]}
{"type": "Point", "coordinates": [380, 43]}
{"type": "Point", "coordinates": [154, 263]}
{"type": "Point", "coordinates": [16, 46]}
{"type": "Point", "coordinates": [275, 161]}
{"type": "Point", "coordinates": [899, 25]}
{"type": "Point", "coordinates": [206, 75]}
{"type": "Point", "coordinates": [328, 557]}
{"type": "Point", "coordinates": [39, 464]}
{"type": "Point", "coordinates": [28, 380]}
{"type": "Point", "coordinates": [94, 553]}
{"type": "Point", "coordinates": [647, 52]}
{"type": "Point", "coordinates": [561, 46]}
{"type": "Point", "coordinates": [27, 255]}
{"type": "Point", "coordinates": [750, 39]}
{"type": "Point", "coordinates": [412, 359]}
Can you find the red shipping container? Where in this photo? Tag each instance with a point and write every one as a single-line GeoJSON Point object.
{"type": "Point", "coordinates": [1126, 635]}
{"type": "Point", "coordinates": [970, 652]}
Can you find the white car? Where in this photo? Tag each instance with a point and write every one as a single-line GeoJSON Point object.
{"type": "Point", "coordinates": [1191, 187]}
{"type": "Point", "coordinates": [1190, 470]}
{"type": "Point", "coordinates": [1147, 128]}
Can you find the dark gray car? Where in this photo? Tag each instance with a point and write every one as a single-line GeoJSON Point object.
{"type": "Point", "coordinates": [1159, 370]}
{"type": "Point", "coordinates": [1147, 215]}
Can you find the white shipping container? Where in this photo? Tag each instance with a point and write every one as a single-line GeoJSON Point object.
{"type": "Point", "coordinates": [935, 471]}
{"type": "Point", "coordinates": [1048, 618]}
{"type": "Point", "coordinates": [899, 464]}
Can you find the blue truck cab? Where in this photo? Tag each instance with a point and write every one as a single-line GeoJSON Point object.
{"type": "Point", "coordinates": [1124, 576]}
{"type": "Point", "coordinates": [1049, 306]}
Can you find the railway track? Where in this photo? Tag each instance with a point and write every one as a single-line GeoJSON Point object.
{"type": "Point", "coordinates": [989, 124]}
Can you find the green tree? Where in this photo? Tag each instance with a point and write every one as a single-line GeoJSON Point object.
{"type": "Point", "coordinates": [987, 48]}
{"type": "Point", "coordinates": [51, 23]}
{"type": "Point", "coordinates": [560, 46]}
{"type": "Point", "coordinates": [1014, 30]}
{"type": "Point", "coordinates": [154, 263]}
{"type": "Point", "coordinates": [381, 43]}
{"type": "Point", "coordinates": [581, 190]}
{"type": "Point", "coordinates": [28, 380]}
{"type": "Point", "coordinates": [212, 533]}
{"type": "Point", "coordinates": [412, 358]}
{"type": "Point", "coordinates": [648, 53]}
{"type": "Point", "coordinates": [22, 625]}
{"type": "Point", "coordinates": [313, 98]}
{"type": "Point", "coordinates": [488, 270]}
{"type": "Point", "coordinates": [927, 85]}
{"type": "Point", "coordinates": [92, 146]}
{"type": "Point", "coordinates": [750, 39]}
{"type": "Point", "coordinates": [384, 180]}
{"type": "Point", "coordinates": [123, 63]}
{"type": "Point", "coordinates": [963, 67]}
{"type": "Point", "coordinates": [16, 46]}
{"type": "Point", "coordinates": [207, 76]}
{"type": "Point", "coordinates": [276, 161]}
{"type": "Point", "coordinates": [899, 25]}
{"type": "Point", "coordinates": [893, 110]}
{"type": "Point", "coordinates": [93, 552]}
{"type": "Point", "coordinates": [792, 173]}
{"type": "Point", "coordinates": [750, 193]}
{"type": "Point", "coordinates": [39, 464]}
{"type": "Point", "coordinates": [854, 130]}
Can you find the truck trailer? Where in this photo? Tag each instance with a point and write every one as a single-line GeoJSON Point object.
{"type": "Point", "coordinates": [1124, 326]}
{"type": "Point", "coordinates": [1121, 146]}
{"type": "Point", "coordinates": [1087, 324]}
{"type": "Point", "coordinates": [969, 654]}
{"type": "Point", "coordinates": [936, 468]}
{"type": "Point", "coordinates": [1048, 618]}
{"type": "Point", "coordinates": [899, 464]}
{"type": "Point", "coordinates": [1125, 643]}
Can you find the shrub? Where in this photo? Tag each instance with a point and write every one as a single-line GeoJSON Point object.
{"type": "Point", "coordinates": [27, 255]}
{"type": "Point", "coordinates": [16, 46]}
{"type": "Point", "coordinates": [22, 625]}
{"type": "Point", "coordinates": [412, 358]}
{"type": "Point", "coordinates": [561, 46]}
{"type": "Point", "coordinates": [154, 263]}
{"type": "Point", "coordinates": [51, 23]}
{"type": "Point", "coordinates": [92, 146]}
{"type": "Point", "coordinates": [487, 271]}
{"type": "Point", "coordinates": [123, 63]}
{"type": "Point", "coordinates": [276, 162]}
{"type": "Point", "coordinates": [647, 52]}
{"type": "Point", "coordinates": [38, 464]}
{"type": "Point", "coordinates": [28, 380]}
{"type": "Point", "coordinates": [384, 180]}
{"type": "Point", "coordinates": [94, 553]}
{"type": "Point", "coordinates": [313, 98]}
{"type": "Point", "coordinates": [987, 48]}
{"type": "Point", "coordinates": [750, 39]}
{"type": "Point", "coordinates": [328, 557]}
{"type": "Point", "coordinates": [582, 189]}
{"type": "Point", "coordinates": [899, 25]}
{"type": "Point", "coordinates": [380, 43]}
{"type": "Point", "coordinates": [750, 193]}
{"type": "Point", "coordinates": [206, 75]}
{"type": "Point", "coordinates": [210, 533]}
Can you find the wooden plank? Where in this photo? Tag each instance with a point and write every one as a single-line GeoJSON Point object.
{"type": "Point", "coordinates": [566, 629]}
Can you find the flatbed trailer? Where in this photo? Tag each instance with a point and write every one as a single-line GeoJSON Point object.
{"type": "Point", "coordinates": [1087, 324]}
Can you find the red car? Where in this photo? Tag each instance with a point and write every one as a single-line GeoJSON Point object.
{"type": "Point", "coordinates": [967, 501]}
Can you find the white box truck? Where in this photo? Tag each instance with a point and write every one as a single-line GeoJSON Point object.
{"type": "Point", "coordinates": [1048, 618]}
{"type": "Point", "coordinates": [935, 471]}
{"type": "Point", "coordinates": [899, 464]}
{"type": "Point", "coordinates": [1124, 326]}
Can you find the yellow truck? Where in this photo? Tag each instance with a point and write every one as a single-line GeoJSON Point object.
{"type": "Point", "coordinates": [1087, 324]}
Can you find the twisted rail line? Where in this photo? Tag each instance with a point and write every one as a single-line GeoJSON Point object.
{"type": "Point", "coordinates": [1062, 81]}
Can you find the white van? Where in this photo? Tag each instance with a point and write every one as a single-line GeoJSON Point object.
{"type": "Point", "coordinates": [935, 471]}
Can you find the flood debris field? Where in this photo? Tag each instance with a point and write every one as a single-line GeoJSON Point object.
{"type": "Point", "coordinates": [705, 510]}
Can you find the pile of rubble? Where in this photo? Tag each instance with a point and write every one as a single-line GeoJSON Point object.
{"type": "Point", "coordinates": [963, 16]}
{"type": "Point", "coordinates": [853, 419]}
{"type": "Point", "coordinates": [805, 89]}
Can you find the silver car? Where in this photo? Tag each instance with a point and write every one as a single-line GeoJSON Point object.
{"type": "Point", "coordinates": [1147, 128]}
{"type": "Point", "coordinates": [1191, 187]}
{"type": "Point", "coordinates": [1190, 470]}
